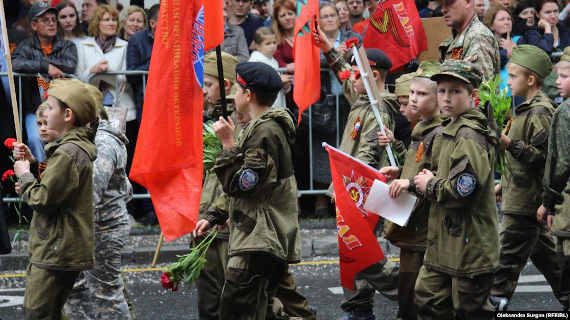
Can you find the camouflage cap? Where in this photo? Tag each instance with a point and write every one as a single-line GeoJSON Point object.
{"type": "Point", "coordinates": [532, 58]}
{"type": "Point", "coordinates": [229, 63]}
{"type": "Point", "coordinates": [460, 69]}
{"type": "Point", "coordinates": [72, 92]}
{"type": "Point", "coordinates": [403, 84]}
{"type": "Point", "coordinates": [428, 68]}
{"type": "Point", "coordinates": [566, 55]}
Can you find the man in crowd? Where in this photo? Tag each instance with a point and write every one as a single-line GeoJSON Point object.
{"type": "Point", "coordinates": [471, 39]}
{"type": "Point", "coordinates": [356, 11]}
{"type": "Point", "coordinates": [239, 15]}
{"type": "Point", "coordinates": [47, 55]}
{"type": "Point", "coordinates": [88, 8]}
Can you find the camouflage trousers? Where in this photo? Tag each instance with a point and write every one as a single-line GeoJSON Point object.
{"type": "Point", "coordinates": [563, 250]}
{"type": "Point", "coordinates": [410, 263]}
{"type": "Point", "coordinates": [440, 296]}
{"type": "Point", "coordinates": [98, 294]}
{"type": "Point", "coordinates": [382, 276]}
{"type": "Point", "coordinates": [46, 292]}
{"type": "Point", "coordinates": [251, 286]}
{"type": "Point", "coordinates": [522, 238]}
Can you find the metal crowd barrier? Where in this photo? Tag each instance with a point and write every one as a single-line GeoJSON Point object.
{"type": "Point", "coordinates": [311, 191]}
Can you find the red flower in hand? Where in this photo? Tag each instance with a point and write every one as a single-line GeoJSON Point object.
{"type": "Point", "coordinates": [351, 42]}
{"type": "Point", "coordinates": [7, 175]}
{"type": "Point", "coordinates": [167, 283]}
{"type": "Point", "coordinates": [477, 101]}
{"type": "Point", "coordinates": [9, 143]}
{"type": "Point", "coordinates": [344, 75]}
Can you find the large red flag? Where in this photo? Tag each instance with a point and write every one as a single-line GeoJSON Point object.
{"type": "Point", "coordinates": [214, 22]}
{"type": "Point", "coordinates": [357, 244]}
{"type": "Point", "coordinates": [396, 28]}
{"type": "Point", "coordinates": [307, 78]}
{"type": "Point", "coordinates": [168, 155]}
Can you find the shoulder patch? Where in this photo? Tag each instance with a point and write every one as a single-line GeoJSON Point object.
{"type": "Point", "coordinates": [466, 184]}
{"type": "Point", "coordinates": [248, 180]}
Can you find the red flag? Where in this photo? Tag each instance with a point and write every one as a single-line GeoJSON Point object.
{"type": "Point", "coordinates": [307, 78]}
{"type": "Point", "coordinates": [214, 22]}
{"type": "Point", "coordinates": [357, 244]}
{"type": "Point", "coordinates": [168, 155]}
{"type": "Point", "coordinates": [396, 28]}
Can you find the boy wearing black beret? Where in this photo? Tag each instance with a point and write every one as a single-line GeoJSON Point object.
{"type": "Point", "coordinates": [257, 174]}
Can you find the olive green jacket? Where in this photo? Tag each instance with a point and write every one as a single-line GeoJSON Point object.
{"type": "Point", "coordinates": [556, 183]}
{"type": "Point", "coordinates": [213, 201]}
{"type": "Point", "coordinates": [525, 156]}
{"type": "Point", "coordinates": [257, 174]}
{"type": "Point", "coordinates": [61, 231]}
{"type": "Point", "coordinates": [418, 157]}
{"type": "Point", "coordinates": [463, 237]}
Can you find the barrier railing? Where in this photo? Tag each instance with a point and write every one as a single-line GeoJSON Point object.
{"type": "Point", "coordinates": [144, 74]}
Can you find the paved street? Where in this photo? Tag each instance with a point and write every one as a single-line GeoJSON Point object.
{"type": "Point", "coordinates": [317, 280]}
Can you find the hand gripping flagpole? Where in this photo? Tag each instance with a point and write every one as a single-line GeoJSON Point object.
{"type": "Point", "coordinates": [8, 58]}
{"type": "Point", "coordinates": [372, 92]}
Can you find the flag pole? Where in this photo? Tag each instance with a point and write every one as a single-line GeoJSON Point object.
{"type": "Point", "coordinates": [221, 81]}
{"type": "Point", "coordinates": [15, 111]}
{"type": "Point", "coordinates": [157, 251]}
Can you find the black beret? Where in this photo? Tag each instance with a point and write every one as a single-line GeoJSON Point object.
{"type": "Point", "coordinates": [258, 76]}
{"type": "Point", "coordinates": [377, 59]}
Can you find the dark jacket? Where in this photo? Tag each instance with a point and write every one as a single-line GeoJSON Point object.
{"type": "Point", "coordinates": [30, 58]}
{"type": "Point", "coordinates": [139, 52]}
{"type": "Point", "coordinates": [544, 41]}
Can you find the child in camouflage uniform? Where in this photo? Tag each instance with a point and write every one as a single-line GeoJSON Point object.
{"type": "Point", "coordinates": [555, 207]}
{"type": "Point", "coordinates": [61, 230]}
{"type": "Point", "coordinates": [360, 140]}
{"type": "Point", "coordinates": [99, 292]}
{"type": "Point", "coordinates": [525, 144]}
{"type": "Point", "coordinates": [462, 237]}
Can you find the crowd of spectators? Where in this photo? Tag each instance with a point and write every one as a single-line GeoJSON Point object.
{"type": "Point", "coordinates": [94, 40]}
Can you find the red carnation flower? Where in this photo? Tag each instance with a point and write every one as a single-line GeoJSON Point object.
{"type": "Point", "coordinates": [167, 283]}
{"type": "Point", "coordinates": [344, 75]}
{"type": "Point", "coordinates": [351, 42]}
{"type": "Point", "coordinates": [9, 143]}
{"type": "Point", "coordinates": [477, 101]}
{"type": "Point", "coordinates": [7, 175]}
{"type": "Point", "coordinates": [357, 74]}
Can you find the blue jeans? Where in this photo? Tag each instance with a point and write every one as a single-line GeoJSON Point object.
{"type": "Point", "coordinates": [34, 141]}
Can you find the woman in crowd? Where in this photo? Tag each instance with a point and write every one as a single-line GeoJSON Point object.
{"type": "Point", "coordinates": [324, 117]}
{"type": "Point", "coordinates": [524, 17]}
{"type": "Point", "coordinates": [283, 26]}
{"type": "Point", "coordinates": [343, 15]}
{"type": "Point", "coordinates": [104, 52]}
{"type": "Point", "coordinates": [68, 22]}
{"type": "Point", "coordinates": [134, 21]}
{"type": "Point", "coordinates": [550, 35]}
{"type": "Point", "coordinates": [499, 20]}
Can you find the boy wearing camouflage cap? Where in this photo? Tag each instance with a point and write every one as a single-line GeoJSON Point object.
{"type": "Point", "coordinates": [524, 142]}
{"type": "Point", "coordinates": [61, 230]}
{"type": "Point", "coordinates": [360, 140]}
{"type": "Point", "coordinates": [555, 208]}
{"type": "Point", "coordinates": [411, 239]}
{"type": "Point", "coordinates": [462, 237]}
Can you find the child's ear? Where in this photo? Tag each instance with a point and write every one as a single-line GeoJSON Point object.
{"type": "Point", "coordinates": [68, 115]}
{"type": "Point", "coordinates": [227, 85]}
{"type": "Point", "coordinates": [248, 95]}
{"type": "Point", "coordinates": [376, 74]}
{"type": "Point", "coordinates": [531, 80]}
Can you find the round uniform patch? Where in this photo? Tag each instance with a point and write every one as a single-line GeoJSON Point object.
{"type": "Point", "coordinates": [248, 180]}
{"type": "Point", "coordinates": [466, 184]}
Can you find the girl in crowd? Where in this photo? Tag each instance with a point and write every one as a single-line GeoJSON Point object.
{"type": "Point", "coordinates": [550, 35]}
{"type": "Point", "coordinates": [343, 15]}
{"type": "Point", "coordinates": [68, 22]}
{"type": "Point", "coordinates": [283, 27]}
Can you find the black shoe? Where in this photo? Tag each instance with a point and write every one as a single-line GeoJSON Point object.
{"type": "Point", "coordinates": [500, 303]}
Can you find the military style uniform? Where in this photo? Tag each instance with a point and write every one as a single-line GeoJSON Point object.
{"type": "Point", "coordinates": [477, 44]}
{"type": "Point", "coordinates": [61, 231]}
{"type": "Point", "coordinates": [99, 292]}
{"type": "Point", "coordinates": [360, 140]}
{"type": "Point", "coordinates": [521, 235]}
{"type": "Point", "coordinates": [462, 238]}
{"type": "Point", "coordinates": [556, 184]}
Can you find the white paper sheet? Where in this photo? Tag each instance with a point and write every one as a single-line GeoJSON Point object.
{"type": "Point", "coordinates": [396, 210]}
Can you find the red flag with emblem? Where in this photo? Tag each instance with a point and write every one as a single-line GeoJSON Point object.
{"type": "Point", "coordinates": [307, 77]}
{"type": "Point", "coordinates": [168, 155]}
{"type": "Point", "coordinates": [357, 244]}
{"type": "Point", "coordinates": [396, 28]}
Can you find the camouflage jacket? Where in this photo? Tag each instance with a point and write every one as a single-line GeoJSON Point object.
{"type": "Point", "coordinates": [463, 236]}
{"type": "Point", "coordinates": [111, 187]}
{"type": "Point", "coordinates": [525, 156]}
{"type": "Point", "coordinates": [418, 157]}
{"type": "Point", "coordinates": [476, 43]}
{"type": "Point", "coordinates": [556, 183]}
{"type": "Point", "coordinates": [61, 230]}
{"type": "Point", "coordinates": [257, 174]}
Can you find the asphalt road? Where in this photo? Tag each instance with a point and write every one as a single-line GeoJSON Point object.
{"type": "Point", "coordinates": [318, 280]}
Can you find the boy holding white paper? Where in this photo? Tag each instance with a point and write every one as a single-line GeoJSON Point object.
{"type": "Point", "coordinates": [411, 239]}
